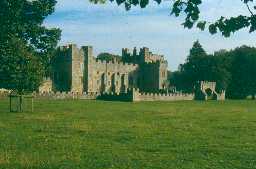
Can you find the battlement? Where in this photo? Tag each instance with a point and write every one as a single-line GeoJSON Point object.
{"type": "Point", "coordinates": [115, 63]}
{"type": "Point", "coordinates": [125, 51]}
{"type": "Point", "coordinates": [144, 55]}
{"type": "Point", "coordinates": [156, 63]}
{"type": "Point", "coordinates": [66, 95]}
{"type": "Point", "coordinates": [134, 94]}
{"type": "Point", "coordinates": [74, 47]}
{"type": "Point", "coordinates": [207, 85]}
{"type": "Point", "coordinates": [144, 96]}
{"type": "Point", "coordinates": [67, 47]}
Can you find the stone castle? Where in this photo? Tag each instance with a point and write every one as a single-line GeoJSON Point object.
{"type": "Point", "coordinates": [78, 70]}
{"type": "Point", "coordinates": [134, 76]}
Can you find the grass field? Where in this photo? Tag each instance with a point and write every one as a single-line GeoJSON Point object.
{"type": "Point", "coordinates": [119, 135]}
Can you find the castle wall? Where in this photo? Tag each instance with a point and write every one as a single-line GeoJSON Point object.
{"type": "Point", "coordinates": [153, 76]}
{"type": "Point", "coordinates": [112, 76]}
{"type": "Point", "coordinates": [46, 86]}
{"type": "Point", "coordinates": [153, 69]}
{"type": "Point", "coordinates": [81, 71]}
{"type": "Point", "coordinates": [140, 96]}
{"type": "Point", "coordinates": [65, 95]}
{"type": "Point", "coordinates": [203, 86]}
{"type": "Point", "coordinates": [68, 69]}
{"type": "Point", "coordinates": [136, 96]}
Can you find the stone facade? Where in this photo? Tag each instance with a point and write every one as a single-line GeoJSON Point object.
{"type": "Point", "coordinates": [77, 70]}
{"type": "Point", "coordinates": [133, 95]}
{"type": "Point", "coordinates": [46, 86]}
{"type": "Point", "coordinates": [141, 96]}
{"type": "Point", "coordinates": [4, 93]}
{"type": "Point", "coordinates": [65, 95]}
{"type": "Point", "coordinates": [136, 96]}
{"type": "Point", "coordinates": [207, 90]}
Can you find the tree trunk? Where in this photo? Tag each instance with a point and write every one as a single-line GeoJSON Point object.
{"type": "Point", "coordinates": [253, 96]}
{"type": "Point", "coordinates": [20, 103]}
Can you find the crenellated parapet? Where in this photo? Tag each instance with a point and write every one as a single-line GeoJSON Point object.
{"type": "Point", "coordinates": [115, 63]}
{"type": "Point", "coordinates": [66, 95]}
{"type": "Point", "coordinates": [147, 96]}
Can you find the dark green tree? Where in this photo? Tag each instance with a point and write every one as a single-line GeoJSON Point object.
{"type": "Point", "coordinates": [220, 66]}
{"type": "Point", "coordinates": [196, 67]}
{"type": "Point", "coordinates": [20, 70]}
{"type": "Point", "coordinates": [109, 57]}
{"type": "Point", "coordinates": [243, 82]}
{"type": "Point", "coordinates": [179, 80]}
{"type": "Point", "coordinates": [26, 46]}
{"type": "Point", "coordinates": [200, 66]}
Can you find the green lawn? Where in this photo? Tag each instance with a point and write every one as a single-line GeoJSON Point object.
{"type": "Point", "coordinates": [120, 135]}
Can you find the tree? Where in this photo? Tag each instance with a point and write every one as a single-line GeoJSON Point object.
{"type": "Point", "coordinates": [196, 67]}
{"type": "Point", "coordinates": [109, 57]}
{"type": "Point", "coordinates": [224, 25]}
{"type": "Point", "coordinates": [243, 82]}
{"type": "Point", "coordinates": [20, 69]}
{"type": "Point", "coordinates": [179, 80]}
{"type": "Point", "coordinates": [200, 66]}
{"type": "Point", "coordinates": [220, 69]}
{"type": "Point", "coordinates": [190, 8]}
{"type": "Point", "coordinates": [26, 46]}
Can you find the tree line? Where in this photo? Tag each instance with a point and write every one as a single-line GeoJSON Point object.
{"type": "Point", "coordinates": [233, 70]}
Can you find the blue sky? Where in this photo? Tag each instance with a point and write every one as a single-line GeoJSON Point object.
{"type": "Point", "coordinates": [109, 28]}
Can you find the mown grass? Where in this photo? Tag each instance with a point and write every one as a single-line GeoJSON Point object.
{"type": "Point", "coordinates": [117, 135]}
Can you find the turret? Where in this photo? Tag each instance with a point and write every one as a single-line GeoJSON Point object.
{"type": "Point", "coordinates": [144, 54]}
{"type": "Point", "coordinates": [134, 52]}
{"type": "Point", "coordinates": [125, 52]}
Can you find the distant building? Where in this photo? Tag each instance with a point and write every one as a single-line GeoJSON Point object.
{"type": "Point", "coordinates": [77, 70]}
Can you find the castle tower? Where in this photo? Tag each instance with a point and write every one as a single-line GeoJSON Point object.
{"type": "Point", "coordinates": [77, 67]}
{"type": "Point", "coordinates": [125, 52]}
{"type": "Point", "coordinates": [88, 59]}
{"type": "Point", "coordinates": [144, 55]}
{"type": "Point", "coordinates": [134, 52]}
{"type": "Point", "coordinates": [61, 69]}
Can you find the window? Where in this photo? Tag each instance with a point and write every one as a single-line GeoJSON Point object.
{"type": "Point", "coordinates": [163, 74]}
{"type": "Point", "coordinates": [81, 66]}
